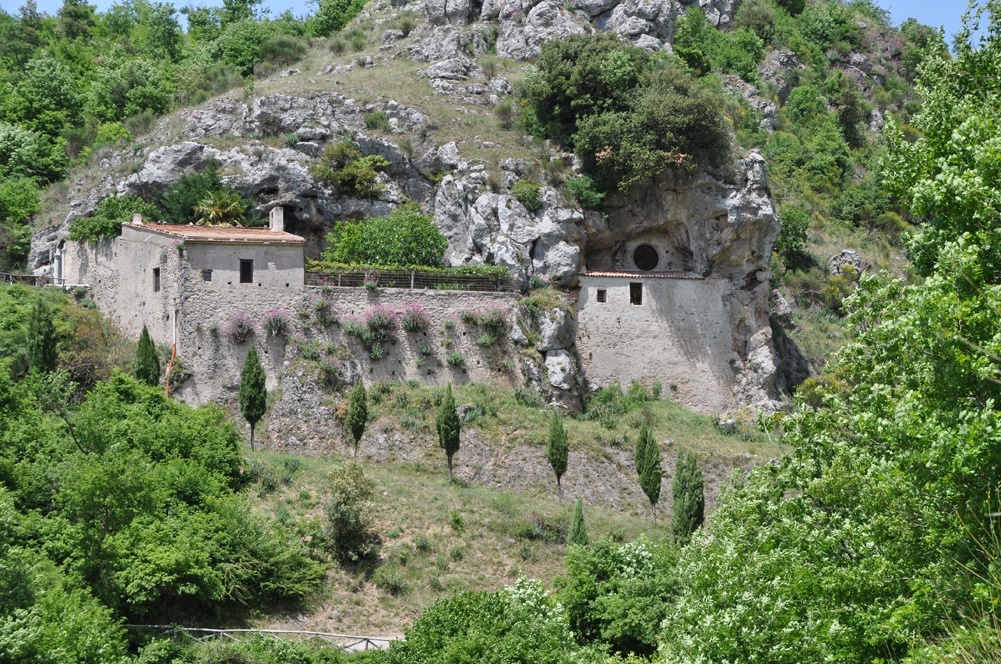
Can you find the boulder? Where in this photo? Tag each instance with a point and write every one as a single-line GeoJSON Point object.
{"type": "Point", "coordinates": [781, 68]}
{"type": "Point", "coordinates": [781, 311]}
{"type": "Point", "coordinates": [545, 22]}
{"type": "Point", "coordinates": [453, 69]}
{"type": "Point", "coordinates": [456, 12]}
{"type": "Point", "coordinates": [557, 330]}
{"type": "Point", "coordinates": [560, 367]}
{"type": "Point", "coordinates": [850, 257]}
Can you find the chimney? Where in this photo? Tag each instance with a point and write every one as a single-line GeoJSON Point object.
{"type": "Point", "coordinates": [277, 221]}
{"type": "Point", "coordinates": [137, 219]}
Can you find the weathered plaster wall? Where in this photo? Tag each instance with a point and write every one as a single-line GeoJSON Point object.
{"type": "Point", "coordinates": [680, 336]}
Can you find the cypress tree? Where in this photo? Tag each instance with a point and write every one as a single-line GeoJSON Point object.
{"type": "Point", "coordinates": [146, 365]}
{"type": "Point", "coordinates": [578, 529]}
{"type": "Point", "coordinates": [253, 393]}
{"type": "Point", "coordinates": [42, 354]}
{"type": "Point", "coordinates": [649, 468]}
{"type": "Point", "coordinates": [357, 413]}
{"type": "Point", "coordinates": [448, 426]}
{"type": "Point", "coordinates": [687, 489]}
{"type": "Point", "coordinates": [556, 451]}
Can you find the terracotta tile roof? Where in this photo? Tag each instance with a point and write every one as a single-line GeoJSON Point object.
{"type": "Point", "coordinates": [673, 274]}
{"type": "Point", "coordinates": [192, 233]}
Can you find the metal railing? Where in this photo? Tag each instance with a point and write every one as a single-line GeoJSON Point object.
{"type": "Point", "coordinates": [26, 279]}
{"type": "Point", "coordinates": [345, 642]}
{"type": "Point", "coordinates": [413, 280]}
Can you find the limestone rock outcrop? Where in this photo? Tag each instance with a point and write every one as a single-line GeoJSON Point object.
{"type": "Point", "coordinates": [484, 227]}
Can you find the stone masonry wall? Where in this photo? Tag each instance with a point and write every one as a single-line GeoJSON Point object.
{"type": "Point", "coordinates": [679, 336]}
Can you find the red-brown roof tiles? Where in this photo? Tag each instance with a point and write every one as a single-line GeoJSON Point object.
{"type": "Point", "coordinates": [192, 233]}
{"type": "Point", "coordinates": [673, 274]}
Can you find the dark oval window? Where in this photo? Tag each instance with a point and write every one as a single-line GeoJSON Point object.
{"type": "Point", "coordinates": [645, 257]}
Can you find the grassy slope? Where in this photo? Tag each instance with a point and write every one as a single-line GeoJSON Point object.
{"type": "Point", "coordinates": [505, 532]}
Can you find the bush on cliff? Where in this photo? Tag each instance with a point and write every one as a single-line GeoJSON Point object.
{"type": "Point", "coordinates": [628, 115]}
{"type": "Point", "coordinates": [404, 237]}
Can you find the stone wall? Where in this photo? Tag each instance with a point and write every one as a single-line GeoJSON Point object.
{"type": "Point", "coordinates": [119, 275]}
{"type": "Point", "coordinates": [679, 336]}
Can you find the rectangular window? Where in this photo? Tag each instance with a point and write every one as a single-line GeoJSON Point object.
{"type": "Point", "coordinates": [156, 280]}
{"type": "Point", "coordinates": [602, 295]}
{"type": "Point", "coordinates": [246, 271]}
{"type": "Point", "coordinates": [206, 275]}
{"type": "Point", "coordinates": [635, 293]}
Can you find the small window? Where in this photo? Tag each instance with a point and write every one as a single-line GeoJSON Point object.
{"type": "Point", "coordinates": [246, 271]}
{"type": "Point", "coordinates": [635, 293]}
{"type": "Point", "coordinates": [206, 275]}
{"type": "Point", "coordinates": [602, 295]}
{"type": "Point", "coordinates": [156, 280]}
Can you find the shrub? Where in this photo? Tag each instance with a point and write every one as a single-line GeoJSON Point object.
{"type": "Point", "coordinates": [406, 24]}
{"type": "Point", "coordinates": [582, 190]}
{"type": "Point", "coordinates": [177, 203]}
{"type": "Point", "coordinates": [486, 340]}
{"type": "Point", "coordinates": [415, 318]}
{"type": "Point", "coordinates": [333, 15]}
{"type": "Point", "coordinates": [347, 509]}
{"type": "Point", "coordinates": [523, 622]}
{"type": "Point", "coordinates": [325, 314]}
{"type": "Point", "coordinates": [627, 119]}
{"type": "Point", "coordinates": [290, 140]}
{"type": "Point", "coordinates": [378, 120]}
{"type": "Point", "coordinates": [337, 46]}
{"type": "Point", "coordinates": [404, 238]}
{"type": "Point", "coordinates": [282, 50]}
{"type": "Point", "coordinates": [529, 193]}
{"type": "Point", "coordinates": [343, 166]}
{"type": "Point", "coordinates": [494, 318]}
{"type": "Point", "coordinates": [277, 322]}
{"type": "Point", "coordinates": [108, 217]}
{"type": "Point", "coordinates": [382, 323]}
{"type": "Point", "coordinates": [704, 47]}
{"type": "Point", "coordinates": [456, 359]}
{"type": "Point", "coordinates": [505, 113]}
{"type": "Point", "coordinates": [111, 133]}
{"type": "Point", "coordinates": [239, 327]}
{"type": "Point", "coordinates": [791, 242]}
{"type": "Point", "coordinates": [390, 578]}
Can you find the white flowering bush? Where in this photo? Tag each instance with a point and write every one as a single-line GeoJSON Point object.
{"type": "Point", "coordinates": [519, 623]}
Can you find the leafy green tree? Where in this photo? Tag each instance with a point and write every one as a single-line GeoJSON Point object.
{"type": "Point", "coordinates": [627, 117]}
{"type": "Point", "coordinates": [520, 623]}
{"type": "Point", "coordinates": [688, 509]}
{"type": "Point", "coordinates": [578, 529]}
{"type": "Point", "coordinates": [45, 99]}
{"type": "Point", "coordinates": [619, 594]}
{"type": "Point", "coordinates": [18, 203]}
{"type": "Point", "coordinates": [448, 425]}
{"type": "Point", "coordinates": [557, 451]}
{"type": "Point", "coordinates": [951, 187]}
{"type": "Point", "coordinates": [253, 392]}
{"type": "Point", "coordinates": [146, 365]}
{"type": "Point", "coordinates": [648, 468]}
{"type": "Point", "coordinates": [126, 88]}
{"type": "Point", "coordinates": [28, 154]}
{"type": "Point", "coordinates": [357, 416]}
{"type": "Point", "coordinates": [42, 353]}
{"type": "Point", "coordinates": [108, 217]}
{"type": "Point", "coordinates": [403, 238]}
{"type": "Point", "coordinates": [76, 19]}
{"type": "Point", "coordinates": [348, 508]}
{"type": "Point", "coordinates": [177, 202]}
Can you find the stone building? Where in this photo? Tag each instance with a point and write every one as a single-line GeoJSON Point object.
{"type": "Point", "coordinates": [164, 276]}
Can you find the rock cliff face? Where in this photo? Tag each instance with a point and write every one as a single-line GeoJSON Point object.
{"type": "Point", "coordinates": [721, 225]}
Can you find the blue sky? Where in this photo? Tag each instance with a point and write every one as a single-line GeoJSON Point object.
{"type": "Point", "coordinates": [945, 13]}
